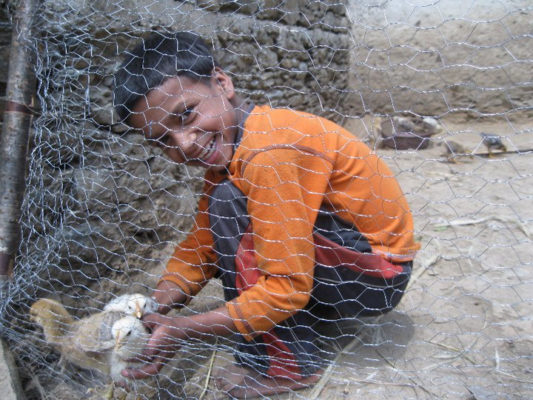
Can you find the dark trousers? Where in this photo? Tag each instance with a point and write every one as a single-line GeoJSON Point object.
{"type": "Point", "coordinates": [290, 348]}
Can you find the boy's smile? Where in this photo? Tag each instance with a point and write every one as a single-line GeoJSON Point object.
{"type": "Point", "coordinates": [193, 122]}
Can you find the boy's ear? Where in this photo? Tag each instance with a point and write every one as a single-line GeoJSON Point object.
{"type": "Point", "coordinates": [224, 82]}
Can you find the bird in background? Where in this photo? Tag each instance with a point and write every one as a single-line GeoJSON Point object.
{"type": "Point", "coordinates": [455, 150]}
{"type": "Point", "coordinates": [493, 142]}
{"type": "Point", "coordinates": [134, 304]}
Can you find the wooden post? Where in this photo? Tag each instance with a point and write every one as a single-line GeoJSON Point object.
{"type": "Point", "coordinates": [14, 137]}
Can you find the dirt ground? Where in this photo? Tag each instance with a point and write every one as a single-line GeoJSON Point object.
{"type": "Point", "coordinates": [464, 328]}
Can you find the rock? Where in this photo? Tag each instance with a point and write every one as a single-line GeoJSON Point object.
{"type": "Point", "coordinates": [431, 125]}
{"type": "Point", "coordinates": [408, 131]}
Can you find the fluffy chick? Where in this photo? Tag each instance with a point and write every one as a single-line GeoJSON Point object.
{"type": "Point", "coordinates": [493, 142]}
{"type": "Point", "coordinates": [130, 337]}
{"type": "Point", "coordinates": [134, 304]}
{"type": "Point", "coordinates": [87, 342]}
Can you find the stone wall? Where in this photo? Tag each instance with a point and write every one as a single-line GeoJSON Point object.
{"type": "Point", "coordinates": [286, 53]}
{"type": "Point", "coordinates": [102, 210]}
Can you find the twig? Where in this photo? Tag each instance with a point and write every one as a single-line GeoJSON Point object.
{"type": "Point", "coordinates": [463, 221]}
{"type": "Point", "coordinates": [517, 151]}
{"type": "Point", "coordinates": [513, 377]}
{"type": "Point", "coordinates": [421, 270]}
{"type": "Point", "coordinates": [475, 221]}
{"type": "Point", "coordinates": [209, 371]}
{"type": "Point", "coordinates": [321, 383]}
{"type": "Point", "coordinates": [461, 352]}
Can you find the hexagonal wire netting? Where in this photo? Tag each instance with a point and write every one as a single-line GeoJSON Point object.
{"type": "Point", "coordinates": [417, 81]}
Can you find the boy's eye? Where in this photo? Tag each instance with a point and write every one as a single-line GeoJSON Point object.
{"type": "Point", "coordinates": [185, 116]}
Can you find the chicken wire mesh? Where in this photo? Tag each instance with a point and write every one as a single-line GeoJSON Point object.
{"type": "Point", "coordinates": [103, 210]}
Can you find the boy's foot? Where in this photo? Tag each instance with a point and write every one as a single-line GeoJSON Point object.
{"type": "Point", "coordinates": [239, 382]}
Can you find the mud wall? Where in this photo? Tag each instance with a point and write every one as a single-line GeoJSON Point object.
{"type": "Point", "coordinates": [440, 58]}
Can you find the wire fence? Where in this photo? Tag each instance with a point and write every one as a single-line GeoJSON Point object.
{"type": "Point", "coordinates": [417, 81]}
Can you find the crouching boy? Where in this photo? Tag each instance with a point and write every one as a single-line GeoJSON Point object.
{"type": "Point", "coordinates": [298, 218]}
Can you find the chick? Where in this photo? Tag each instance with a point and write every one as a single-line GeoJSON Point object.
{"type": "Point", "coordinates": [493, 142]}
{"type": "Point", "coordinates": [455, 150]}
{"type": "Point", "coordinates": [87, 342]}
{"type": "Point", "coordinates": [101, 342]}
{"type": "Point", "coordinates": [135, 304]}
{"type": "Point", "coordinates": [130, 337]}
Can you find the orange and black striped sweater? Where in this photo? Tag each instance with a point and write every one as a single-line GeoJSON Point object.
{"type": "Point", "coordinates": [289, 164]}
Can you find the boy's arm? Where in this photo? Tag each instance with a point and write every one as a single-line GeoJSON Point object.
{"type": "Point", "coordinates": [169, 295]}
{"type": "Point", "coordinates": [193, 262]}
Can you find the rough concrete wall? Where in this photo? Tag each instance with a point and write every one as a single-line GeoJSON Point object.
{"type": "Point", "coordinates": [99, 208]}
{"type": "Point", "coordinates": [448, 56]}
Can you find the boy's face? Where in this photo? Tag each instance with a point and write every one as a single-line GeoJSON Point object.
{"type": "Point", "coordinates": [193, 122]}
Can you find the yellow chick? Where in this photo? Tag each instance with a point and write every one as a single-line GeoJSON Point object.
{"type": "Point", "coordinates": [103, 342]}
{"type": "Point", "coordinates": [87, 342]}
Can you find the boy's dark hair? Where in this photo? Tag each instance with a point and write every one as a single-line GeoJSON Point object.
{"type": "Point", "coordinates": [158, 57]}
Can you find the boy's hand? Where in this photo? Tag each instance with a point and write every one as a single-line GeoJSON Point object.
{"type": "Point", "coordinates": [169, 332]}
{"type": "Point", "coordinates": [161, 346]}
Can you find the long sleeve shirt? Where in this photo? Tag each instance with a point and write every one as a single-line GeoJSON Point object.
{"type": "Point", "coordinates": [289, 164]}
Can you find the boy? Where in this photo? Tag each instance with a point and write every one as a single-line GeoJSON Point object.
{"type": "Point", "coordinates": [298, 218]}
